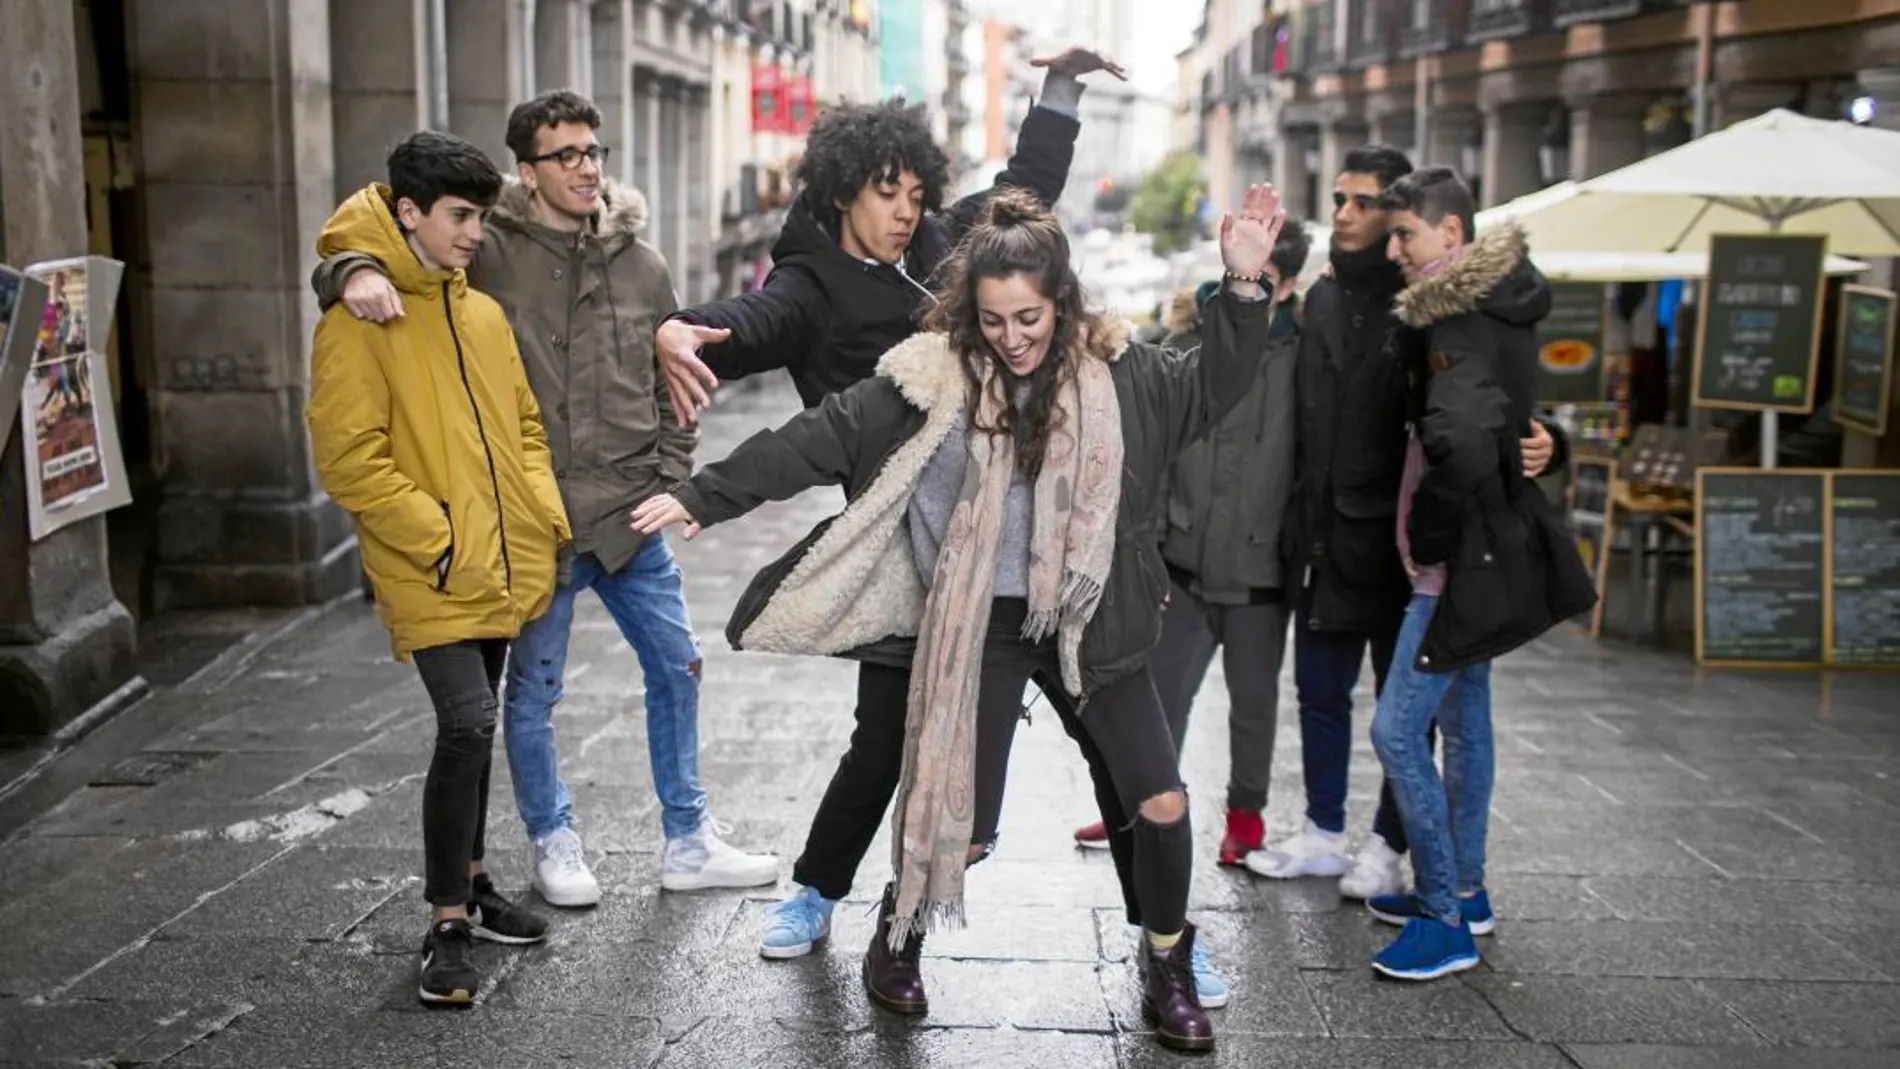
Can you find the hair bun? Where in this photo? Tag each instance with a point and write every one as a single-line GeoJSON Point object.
{"type": "Point", "coordinates": [1012, 207]}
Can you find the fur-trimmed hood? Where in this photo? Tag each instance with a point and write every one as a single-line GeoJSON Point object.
{"type": "Point", "coordinates": [1494, 276]}
{"type": "Point", "coordinates": [623, 213]}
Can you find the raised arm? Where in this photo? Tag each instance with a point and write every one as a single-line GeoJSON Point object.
{"type": "Point", "coordinates": [1202, 386]}
{"type": "Point", "coordinates": [1045, 146]}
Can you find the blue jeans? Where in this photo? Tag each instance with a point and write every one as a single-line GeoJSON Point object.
{"type": "Point", "coordinates": [1325, 669]}
{"type": "Point", "coordinates": [1446, 820]}
{"type": "Point", "coordinates": [647, 602]}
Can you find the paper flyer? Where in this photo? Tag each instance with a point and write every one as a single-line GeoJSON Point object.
{"type": "Point", "coordinates": [74, 466]}
{"type": "Point", "coordinates": [20, 297]}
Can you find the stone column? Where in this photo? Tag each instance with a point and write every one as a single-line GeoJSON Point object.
{"type": "Point", "coordinates": [379, 84]}
{"type": "Point", "coordinates": [1449, 130]}
{"type": "Point", "coordinates": [613, 83]}
{"type": "Point", "coordinates": [1292, 176]}
{"type": "Point", "coordinates": [1511, 136]}
{"type": "Point", "coordinates": [233, 208]}
{"type": "Point", "coordinates": [66, 644]}
{"type": "Point", "coordinates": [486, 44]}
{"type": "Point", "coordinates": [563, 46]}
{"type": "Point", "coordinates": [1336, 139]}
{"type": "Point", "coordinates": [653, 176]}
{"type": "Point", "coordinates": [1606, 132]}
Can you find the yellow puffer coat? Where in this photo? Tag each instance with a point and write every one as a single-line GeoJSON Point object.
{"type": "Point", "coordinates": [426, 432]}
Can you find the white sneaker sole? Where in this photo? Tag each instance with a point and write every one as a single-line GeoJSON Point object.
{"type": "Point", "coordinates": [571, 898]}
{"type": "Point", "coordinates": [1214, 1002]}
{"type": "Point", "coordinates": [1295, 868]}
{"type": "Point", "coordinates": [1445, 968]}
{"type": "Point", "coordinates": [491, 936]}
{"type": "Point", "coordinates": [1091, 844]}
{"type": "Point", "coordinates": [734, 881]}
{"type": "Point", "coordinates": [1483, 927]}
{"type": "Point", "coordinates": [787, 953]}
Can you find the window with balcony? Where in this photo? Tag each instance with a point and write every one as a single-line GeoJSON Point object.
{"type": "Point", "coordinates": [1370, 26]}
{"type": "Point", "coordinates": [1427, 26]}
{"type": "Point", "coordinates": [1496, 19]}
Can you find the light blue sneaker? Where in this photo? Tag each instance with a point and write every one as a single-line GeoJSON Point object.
{"type": "Point", "coordinates": [1210, 985]}
{"type": "Point", "coordinates": [793, 927]}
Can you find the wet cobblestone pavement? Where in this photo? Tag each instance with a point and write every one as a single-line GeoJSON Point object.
{"type": "Point", "coordinates": [1690, 870]}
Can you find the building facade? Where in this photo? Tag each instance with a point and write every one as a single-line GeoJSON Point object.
{"type": "Point", "coordinates": [204, 143]}
{"type": "Point", "coordinates": [1518, 94]}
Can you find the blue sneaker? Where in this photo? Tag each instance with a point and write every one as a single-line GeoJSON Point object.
{"type": "Point", "coordinates": [1398, 910]}
{"type": "Point", "coordinates": [1208, 984]}
{"type": "Point", "coordinates": [794, 926]}
{"type": "Point", "coordinates": [1426, 950]}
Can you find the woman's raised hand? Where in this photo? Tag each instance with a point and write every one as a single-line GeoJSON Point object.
{"type": "Point", "coordinates": [1246, 240]}
{"type": "Point", "coordinates": [661, 511]}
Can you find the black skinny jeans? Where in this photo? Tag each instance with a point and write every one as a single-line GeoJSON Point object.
{"type": "Point", "coordinates": [461, 679]}
{"type": "Point", "coordinates": [1125, 730]}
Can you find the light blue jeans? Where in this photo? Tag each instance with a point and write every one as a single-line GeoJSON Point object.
{"type": "Point", "coordinates": [1445, 821]}
{"type": "Point", "coordinates": [647, 602]}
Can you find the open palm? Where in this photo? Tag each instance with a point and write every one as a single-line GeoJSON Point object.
{"type": "Point", "coordinates": [1246, 240]}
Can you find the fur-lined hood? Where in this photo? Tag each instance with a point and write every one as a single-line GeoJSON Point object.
{"type": "Point", "coordinates": [622, 216]}
{"type": "Point", "coordinates": [1495, 276]}
{"type": "Point", "coordinates": [925, 371]}
{"type": "Point", "coordinates": [1184, 312]}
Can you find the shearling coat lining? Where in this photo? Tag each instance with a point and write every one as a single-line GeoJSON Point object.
{"type": "Point", "coordinates": [1461, 285]}
{"type": "Point", "coordinates": [859, 583]}
{"type": "Point", "coordinates": [623, 209]}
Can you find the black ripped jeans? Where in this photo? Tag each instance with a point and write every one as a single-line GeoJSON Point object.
{"type": "Point", "coordinates": [461, 679]}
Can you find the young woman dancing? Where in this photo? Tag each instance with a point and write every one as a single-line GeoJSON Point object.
{"type": "Point", "coordinates": [1002, 471]}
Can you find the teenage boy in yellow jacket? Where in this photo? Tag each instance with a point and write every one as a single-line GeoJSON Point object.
{"type": "Point", "coordinates": [425, 431]}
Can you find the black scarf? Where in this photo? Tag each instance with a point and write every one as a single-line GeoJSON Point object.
{"type": "Point", "coordinates": [1367, 270]}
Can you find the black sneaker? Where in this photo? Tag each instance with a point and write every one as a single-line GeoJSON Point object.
{"type": "Point", "coordinates": [498, 920]}
{"type": "Point", "coordinates": [447, 977]}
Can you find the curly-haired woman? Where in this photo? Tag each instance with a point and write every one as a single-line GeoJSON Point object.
{"type": "Point", "coordinates": [1001, 471]}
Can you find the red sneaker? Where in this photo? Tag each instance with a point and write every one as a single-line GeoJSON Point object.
{"type": "Point", "coordinates": [1245, 834]}
{"type": "Point", "coordinates": [1092, 837]}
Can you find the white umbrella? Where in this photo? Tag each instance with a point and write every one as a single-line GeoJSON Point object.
{"type": "Point", "coordinates": [1776, 173]}
{"type": "Point", "coordinates": [1579, 266]}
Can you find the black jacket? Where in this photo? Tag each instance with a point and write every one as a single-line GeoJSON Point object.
{"type": "Point", "coordinates": [1349, 451]}
{"type": "Point", "coordinates": [1228, 492]}
{"type": "Point", "coordinates": [852, 588]}
{"type": "Point", "coordinates": [826, 316]}
{"type": "Point", "coordinates": [1512, 572]}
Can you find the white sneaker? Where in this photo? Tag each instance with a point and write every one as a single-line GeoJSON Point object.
{"type": "Point", "coordinates": [1378, 871]}
{"type": "Point", "coordinates": [702, 859]}
{"type": "Point", "coordinates": [1313, 852]}
{"type": "Point", "coordinates": [560, 871]}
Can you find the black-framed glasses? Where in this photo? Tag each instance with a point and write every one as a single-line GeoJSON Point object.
{"type": "Point", "coordinates": [570, 158]}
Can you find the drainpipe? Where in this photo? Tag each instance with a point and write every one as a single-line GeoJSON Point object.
{"type": "Point", "coordinates": [524, 49]}
{"type": "Point", "coordinates": [438, 33]}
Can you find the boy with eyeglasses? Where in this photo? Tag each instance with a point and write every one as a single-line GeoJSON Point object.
{"type": "Point", "coordinates": [583, 294]}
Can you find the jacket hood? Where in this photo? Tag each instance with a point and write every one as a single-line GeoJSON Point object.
{"type": "Point", "coordinates": [1495, 276]}
{"type": "Point", "coordinates": [623, 210]}
{"type": "Point", "coordinates": [366, 223]}
{"type": "Point", "coordinates": [925, 371]}
{"type": "Point", "coordinates": [803, 235]}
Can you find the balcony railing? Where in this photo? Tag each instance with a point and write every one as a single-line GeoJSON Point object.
{"type": "Point", "coordinates": [1493, 20]}
{"type": "Point", "coordinates": [1572, 12]}
{"type": "Point", "coordinates": [1369, 25]}
{"type": "Point", "coordinates": [1427, 26]}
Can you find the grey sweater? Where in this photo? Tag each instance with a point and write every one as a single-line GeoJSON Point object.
{"type": "Point", "coordinates": [935, 498]}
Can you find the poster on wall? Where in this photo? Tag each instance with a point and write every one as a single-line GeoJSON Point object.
{"type": "Point", "coordinates": [74, 468]}
{"type": "Point", "coordinates": [21, 298]}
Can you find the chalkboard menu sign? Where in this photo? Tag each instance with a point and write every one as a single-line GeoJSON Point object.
{"type": "Point", "coordinates": [1863, 379]}
{"type": "Point", "coordinates": [1761, 566]}
{"type": "Point", "coordinates": [1761, 322]}
{"type": "Point", "coordinates": [1865, 603]}
{"type": "Point", "coordinates": [1570, 345]}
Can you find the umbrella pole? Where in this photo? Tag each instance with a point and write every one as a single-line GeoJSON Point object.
{"type": "Point", "coordinates": [1770, 419]}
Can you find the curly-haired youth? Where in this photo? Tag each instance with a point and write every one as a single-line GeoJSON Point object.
{"type": "Point", "coordinates": [851, 144]}
{"type": "Point", "coordinates": [1016, 234]}
{"type": "Point", "coordinates": [544, 112]}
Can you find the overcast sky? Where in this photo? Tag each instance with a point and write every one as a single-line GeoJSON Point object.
{"type": "Point", "coordinates": [1162, 28]}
